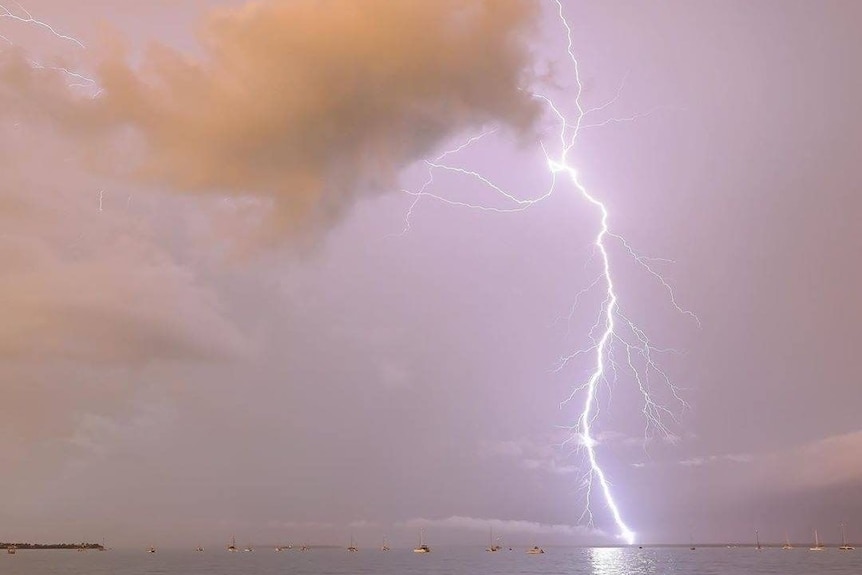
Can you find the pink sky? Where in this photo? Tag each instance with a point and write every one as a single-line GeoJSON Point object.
{"type": "Point", "coordinates": [213, 322]}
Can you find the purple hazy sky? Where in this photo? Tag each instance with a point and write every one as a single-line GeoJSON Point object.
{"type": "Point", "coordinates": [217, 318]}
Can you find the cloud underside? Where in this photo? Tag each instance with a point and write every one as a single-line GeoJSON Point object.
{"type": "Point", "coordinates": [303, 106]}
{"type": "Point", "coordinates": [83, 311]}
{"type": "Point", "coordinates": [104, 294]}
{"type": "Point", "coordinates": [817, 464]}
{"type": "Point", "coordinates": [810, 466]}
{"type": "Point", "coordinates": [293, 111]}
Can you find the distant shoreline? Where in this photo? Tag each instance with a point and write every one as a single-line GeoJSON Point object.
{"type": "Point", "coordinates": [67, 546]}
{"type": "Point", "coordinates": [100, 547]}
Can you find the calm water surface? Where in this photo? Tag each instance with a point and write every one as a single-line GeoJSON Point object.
{"type": "Point", "coordinates": [442, 561]}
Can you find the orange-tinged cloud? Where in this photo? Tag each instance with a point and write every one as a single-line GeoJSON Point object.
{"type": "Point", "coordinates": [295, 109]}
{"type": "Point", "coordinates": [307, 104]}
{"type": "Point", "coordinates": [79, 284]}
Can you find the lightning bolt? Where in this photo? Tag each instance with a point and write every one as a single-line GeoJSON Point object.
{"type": "Point", "coordinates": [617, 343]}
{"type": "Point", "coordinates": [27, 18]}
{"type": "Point", "coordinates": [75, 79]}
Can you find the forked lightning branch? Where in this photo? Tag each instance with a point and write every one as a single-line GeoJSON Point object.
{"type": "Point", "coordinates": [613, 335]}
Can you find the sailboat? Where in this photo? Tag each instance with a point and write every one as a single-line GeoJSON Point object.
{"type": "Point", "coordinates": [844, 546]}
{"type": "Point", "coordinates": [817, 545]}
{"type": "Point", "coordinates": [352, 546]}
{"type": "Point", "coordinates": [757, 545]}
{"type": "Point", "coordinates": [422, 547]}
{"type": "Point", "coordinates": [787, 544]}
{"type": "Point", "coordinates": [492, 547]}
{"type": "Point", "coordinates": [384, 547]}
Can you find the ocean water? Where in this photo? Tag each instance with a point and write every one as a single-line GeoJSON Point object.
{"type": "Point", "coordinates": [441, 561]}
